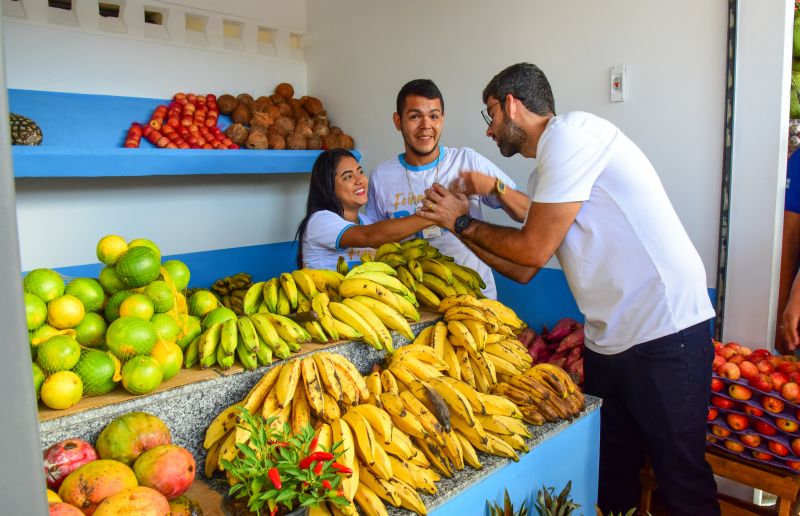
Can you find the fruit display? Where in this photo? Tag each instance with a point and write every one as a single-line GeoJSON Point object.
{"type": "Point", "coordinates": [230, 290]}
{"type": "Point", "coordinates": [134, 469]}
{"type": "Point", "coordinates": [128, 325]}
{"type": "Point", "coordinates": [280, 121]}
{"type": "Point", "coordinates": [24, 131]}
{"type": "Point", "coordinates": [755, 405]}
{"type": "Point", "coordinates": [562, 346]}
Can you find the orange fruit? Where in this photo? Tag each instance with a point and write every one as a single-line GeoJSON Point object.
{"type": "Point", "coordinates": [137, 305]}
{"type": "Point", "coordinates": [45, 283]}
{"type": "Point", "coordinates": [89, 291]}
{"type": "Point", "coordinates": [166, 327]}
{"type": "Point", "coordinates": [62, 390]}
{"type": "Point", "coordinates": [35, 311]}
{"type": "Point", "coordinates": [91, 331]}
{"type": "Point", "coordinates": [110, 281]}
{"type": "Point", "coordinates": [161, 294]}
{"type": "Point", "coordinates": [110, 248]}
{"type": "Point", "coordinates": [170, 356]}
{"type": "Point", "coordinates": [143, 242]}
{"type": "Point", "coordinates": [59, 353]}
{"type": "Point", "coordinates": [178, 272]}
{"type": "Point", "coordinates": [65, 312]}
{"type": "Point", "coordinates": [202, 302]}
{"type": "Point", "coordinates": [141, 374]}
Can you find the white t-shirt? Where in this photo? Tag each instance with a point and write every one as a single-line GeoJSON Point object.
{"type": "Point", "coordinates": [321, 249]}
{"type": "Point", "coordinates": [629, 263]}
{"type": "Point", "coordinates": [396, 189]}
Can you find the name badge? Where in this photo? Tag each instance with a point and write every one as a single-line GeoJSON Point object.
{"type": "Point", "coordinates": [431, 232]}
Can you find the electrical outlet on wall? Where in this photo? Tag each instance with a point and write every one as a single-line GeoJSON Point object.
{"type": "Point", "coordinates": [619, 83]}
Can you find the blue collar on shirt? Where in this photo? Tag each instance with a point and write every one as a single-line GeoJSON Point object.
{"type": "Point", "coordinates": [422, 168]}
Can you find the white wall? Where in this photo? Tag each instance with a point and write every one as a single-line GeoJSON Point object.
{"type": "Point", "coordinates": [359, 53]}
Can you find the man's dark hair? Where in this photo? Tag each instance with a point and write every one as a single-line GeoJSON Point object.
{"type": "Point", "coordinates": [526, 83]}
{"type": "Point", "coordinates": [420, 87]}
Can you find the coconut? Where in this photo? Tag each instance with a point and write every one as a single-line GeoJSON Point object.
{"type": "Point", "coordinates": [284, 126]}
{"type": "Point", "coordinates": [321, 130]}
{"type": "Point", "coordinates": [242, 114]}
{"type": "Point", "coordinates": [296, 141]}
{"type": "Point", "coordinates": [330, 141]}
{"type": "Point", "coordinates": [245, 98]}
{"type": "Point", "coordinates": [261, 104]}
{"type": "Point", "coordinates": [226, 103]}
{"type": "Point", "coordinates": [237, 133]}
{"type": "Point", "coordinates": [313, 105]}
{"type": "Point", "coordinates": [277, 99]}
{"type": "Point", "coordinates": [314, 143]}
{"type": "Point", "coordinates": [277, 142]}
{"type": "Point", "coordinates": [286, 110]}
{"type": "Point", "coordinates": [300, 114]}
{"type": "Point", "coordinates": [335, 130]}
{"type": "Point", "coordinates": [260, 121]}
{"type": "Point", "coordinates": [257, 140]}
{"type": "Point", "coordinates": [303, 129]}
{"type": "Point", "coordinates": [346, 142]}
{"type": "Point", "coordinates": [285, 90]}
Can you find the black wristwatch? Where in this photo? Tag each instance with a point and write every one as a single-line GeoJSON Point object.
{"type": "Point", "coordinates": [462, 223]}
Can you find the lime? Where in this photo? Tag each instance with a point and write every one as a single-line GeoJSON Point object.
{"type": "Point", "coordinates": [91, 331]}
{"type": "Point", "coordinates": [62, 390]}
{"type": "Point", "coordinates": [137, 305]}
{"type": "Point", "coordinates": [112, 307]}
{"type": "Point", "coordinates": [190, 329]}
{"type": "Point", "coordinates": [166, 327]}
{"type": "Point", "coordinates": [38, 379]}
{"type": "Point", "coordinates": [143, 242]}
{"type": "Point", "coordinates": [35, 311]}
{"type": "Point", "coordinates": [141, 374]}
{"type": "Point", "coordinates": [110, 281]}
{"type": "Point", "coordinates": [89, 291]}
{"type": "Point", "coordinates": [96, 370]}
{"type": "Point", "coordinates": [110, 248]}
{"type": "Point", "coordinates": [170, 356]}
{"type": "Point", "coordinates": [161, 295]}
{"type": "Point", "coordinates": [130, 336]}
{"type": "Point", "coordinates": [45, 283]}
{"type": "Point", "coordinates": [138, 266]}
{"type": "Point", "coordinates": [202, 302]}
{"type": "Point", "coordinates": [59, 353]}
{"type": "Point", "coordinates": [178, 273]}
{"type": "Point", "coordinates": [65, 312]}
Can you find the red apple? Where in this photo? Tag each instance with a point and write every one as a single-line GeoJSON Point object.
{"type": "Point", "coordinates": [751, 440]}
{"type": "Point", "coordinates": [718, 361]}
{"type": "Point", "coordinates": [764, 428]}
{"type": "Point", "coordinates": [712, 414]}
{"type": "Point", "coordinates": [744, 350]}
{"type": "Point", "coordinates": [733, 345]}
{"type": "Point", "coordinates": [787, 425]}
{"type": "Point", "coordinates": [736, 359]}
{"type": "Point", "coordinates": [753, 411]}
{"type": "Point", "coordinates": [760, 455]}
{"type": "Point", "coordinates": [787, 367]}
{"type": "Point", "coordinates": [761, 382]}
{"type": "Point", "coordinates": [778, 380]}
{"type": "Point", "coordinates": [739, 392]}
{"type": "Point", "coordinates": [720, 431]}
{"type": "Point", "coordinates": [794, 377]}
{"type": "Point", "coordinates": [727, 353]}
{"type": "Point", "coordinates": [716, 384]}
{"type": "Point", "coordinates": [734, 446]}
{"type": "Point", "coordinates": [765, 367]}
{"type": "Point", "coordinates": [761, 352]}
{"type": "Point", "coordinates": [719, 401]}
{"type": "Point", "coordinates": [775, 360]}
{"type": "Point", "coordinates": [778, 448]}
{"type": "Point", "coordinates": [790, 391]}
{"type": "Point", "coordinates": [748, 369]}
{"type": "Point", "coordinates": [794, 464]}
{"type": "Point", "coordinates": [717, 344]}
{"type": "Point", "coordinates": [737, 422]}
{"type": "Point", "coordinates": [772, 404]}
{"type": "Point", "coordinates": [729, 371]}
{"type": "Point", "coordinates": [796, 446]}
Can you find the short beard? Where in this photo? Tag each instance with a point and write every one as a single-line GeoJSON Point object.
{"type": "Point", "coordinates": [421, 153]}
{"type": "Point", "coordinates": [510, 138]}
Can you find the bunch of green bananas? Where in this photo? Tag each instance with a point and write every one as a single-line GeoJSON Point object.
{"type": "Point", "coordinates": [231, 291]}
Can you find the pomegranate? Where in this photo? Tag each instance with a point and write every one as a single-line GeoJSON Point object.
{"type": "Point", "coordinates": [64, 457]}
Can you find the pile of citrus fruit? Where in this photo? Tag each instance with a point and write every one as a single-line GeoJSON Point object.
{"type": "Point", "coordinates": [129, 325]}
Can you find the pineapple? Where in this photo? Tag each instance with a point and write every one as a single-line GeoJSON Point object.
{"type": "Point", "coordinates": [24, 131]}
{"type": "Point", "coordinates": [507, 509]}
{"type": "Point", "coordinates": [549, 505]}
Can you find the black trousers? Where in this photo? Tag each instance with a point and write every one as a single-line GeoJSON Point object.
{"type": "Point", "coordinates": [655, 401]}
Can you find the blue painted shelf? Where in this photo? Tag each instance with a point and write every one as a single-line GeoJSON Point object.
{"type": "Point", "coordinates": [83, 137]}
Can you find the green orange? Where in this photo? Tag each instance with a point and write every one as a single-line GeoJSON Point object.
{"type": "Point", "coordinates": [170, 356]}
{"type": "Point", "coordinates": [161, 295]}
{"type": "Point", "coordinates": [202, 302]}
{"type": "Point", "coordinates": [142, 374]}
{"type": "Point", "coordinates": [35, 311]}
{"type": "Point", "coordinates": [144, 242]}
{"type": "Point", "coordinates": [91, 331]}
{"type": "Point", "coordinates": [62, 390]}
{"type": "Point", "coordinates": [110, 281]}
{"type": "Point", "coordinates": [89, 291]}
{"type": "Point", "coordinates": [178, 272]}
{"type": "Point", "coordinates": [137, 305]}
{"type": "Point", "coordinates": [166, 327]}
{"type": "Point", "coordinates": [130, 336]}
{"type": "Point", "coordinates": [65, 312]}
{"type": "Point", "coordinates": [45, 283]}
{"type": "Point", "coordinates": [59, 353]}
{"type": "Point", "coordinates": [110, 248]}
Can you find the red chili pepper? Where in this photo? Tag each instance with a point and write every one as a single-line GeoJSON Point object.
{"type": "Point", "coordinates": [327, 485]}
{"type": "Point", "coordinates": [341, 468]}
{"type": "Point", "coordinates": [275, 477]}
{"type": "Point", "coordinates": [274, 511]}
{"type": "Point", "coordinates": [340, 492]}
{"type": "Point", "coordinates": [313, 445]}
{"type": "Point", "coordinates": [318, 468]}
{"type": "Point", "coordinates": [279, 444]}
{"type": "Point", "coordinates": [313, 457]}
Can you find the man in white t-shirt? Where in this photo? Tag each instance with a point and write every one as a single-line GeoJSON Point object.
{"type": "Point", "coordinates": [397, 186]}
{"type": "Point", "coordinates": [598, 205]}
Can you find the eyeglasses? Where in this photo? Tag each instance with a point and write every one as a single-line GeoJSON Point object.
{"type": "Point", "coordinates": [485, 112]}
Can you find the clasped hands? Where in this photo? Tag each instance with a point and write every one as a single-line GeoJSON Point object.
{"type": "Point", "coordinates": [443, 206]}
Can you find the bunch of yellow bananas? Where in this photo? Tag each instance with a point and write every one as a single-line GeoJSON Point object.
{"type": "Point", "coordinates": [255, 339]}
{"type": "Point", "coordinates": [545, 392]}
{"type": "Point", "coordinates": [231, 290]}
{"type": "Point", "coordinates": [290, 292]}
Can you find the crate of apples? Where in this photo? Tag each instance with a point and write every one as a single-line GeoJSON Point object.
{"type": "Point", "coordinates": [754, 410]}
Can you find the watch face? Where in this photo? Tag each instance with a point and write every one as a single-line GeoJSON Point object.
{"type": "Point", "coordinates": [461, 223]}
{"type": "Point", "coordinates": [501, 187]}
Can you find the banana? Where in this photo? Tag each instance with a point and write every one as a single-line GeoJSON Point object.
{"type": "Point", "coordinates": [515, 441]}
{"type": "Point", "coordinates": [413, 253]}
{"type": "Point", "coordinates": [344, 330]}
{"type": "Point", "coordinates": [364, 437]}
{"type": "Point", "coordinates": [504, 313]}
{"type": "Point", "coordinates": [282, 418]}
{"type": "Point", "coordinates": [408, 307]}
{"type": "Point", "coordinates": [301, 412]}
{"type": "Point", "coordinates": [388, 382]}
{"type": "Point", "coordinates": [435, 455]}
{"type": "Point", "coordinates": [546, 378]}
{"type": "Point", "coordinates": [393, 259]}
{"type": "Point", "coordinates": [248, 333]}
{"type": "Point", "coordinates": [289, 288]}
{"type": "Point", "coordinates": [450, 358]}
{"type": "Point", "coordinates": [426, 297]}
{"type": "Point", "coordinates": [425, 417]}
{"type": "Point", "coordinates": [341, 265]}
{"type": "Point", "coordinates": [414, 242]}
{"type": "Point", "coordinates": [470, 394]}
{"type": "Point", "coordinates": [400, 446]}
{"type": "Point", "coordinates": [437, 285]}
{"type": "Point", "coordinates": [422, 461]}
{"type": "Point", "coordinates": [322, 278]}
{"type": "Point", "coordinates": [348, 316]}
{"type": "Point", "coordinates": [467, 373]}
{"type": "Point", "coordinates": [287, 329]}
{"type": "Point", "coordinates": [531, 414]}
{"type": "Point", "coordinates": [389, 317]}
{"type": "Point", "coordinates": [501, 350]}
{"type": "Point", "coordinates": [387, 248]}
{"type": "Point", "coordinates": [400, 416]}
{"type": "Point", "coordinates": [352, 372]}
{"type": "Point", "coordinates": [460, 336]}
{"type": "Point", "coordinates": [341, 433]}
{"type": "Point", "coordinates": [475, 432]}
{"type": "Point", "coordinates": [378, 419]}
{"type": "Point", "coordinates": [305, 283]}
{"type": "Point", "coordinates": [482, 383]}
{"type": "Point", "coordinates": [212, 458]}
{"type": "Point", "coordinates": [350, 393]}
{"type": "Point", "coordinates": [515, 425]}
{"type": "Point", "coordinates": [468, 451]}
{"type": "Point", "coordinates": [486, 368]}
{"type": "Point", "coordinates": [498, 405]}
{"type": "Point", "coordinates": [375, 388]}
{"type": "Point", "coordinates": [478, 331]}
{"type": "Point", "coordinates": [327, 373]}
{"type": "Point", "coordinates": [338, 510]}
{"type": "Point", "coordinates": [270, 408]}
{"type": "Point", "coordinates": [494, 425]}
{"type": "Point", "coordinates": [453, 451]}
{"type": "Point", "coordinates": [303, 302]}
{"type": "Point", "coordinates": [284, 307]}
{"type": "Point", "coordinates": [402, 471]}
{"type": "Point", "coordinates": [314, 328]}
{"type": "Point", "coordinates": [564, 378]}
{"type": "Point", "coordinates": [253, 297]}
{"type": "Point", "coordinates": [330, 408]}
{"type": "Point", "coordinates": [420, 369]}
{"type": "Point", "coordinates": [383, 488]}
{"type": "Point", "coordinates": [457, 402]}
{"type": "Point", "coordinates": [463, 274]}
{"type": "Point", "coordinates": [221, 425]}
{"type": "Point", "coordinates": [409, 499]}
{"type": "Point", "coordinates": [501, 365]}
{"type": "Point", "coordinates": [374, 321]}
{"type": "Point", "coordinates": [319, 304]}
{"type": "Point", "coordinates": [209, 341]}
{"type": "Point", "coordinates": [227, 450]}
{"type": "Point", "coordinates": [324, 435]}
{"type": "Point", "coordinates": [369, 501]}
{"type": "Point", "coordinates": [499, 447]}
{"type": "Point", "coordinates": [438, 337]}
{"type": "Point", "coordinates": [463, 300]}
{"type": "Point", "coordinates": [248, 358]}
{"type": "Point", "coordinates": [385, 280]}
{"type": "Point", "coordinates": [460, 287]}
{"type": "Point", "coordinates": [371, 267]}
{"type": "Point", "coordinates": [406, 278]}
{"type": "Point", "coordinates": [437, 268]}
{"type": "Point", "coordinates": [287, 382]}
{"type": "Point", "coordinates": [255, 398]}
{"type": "Point", "coordinates": [267, 332]}
{"type": "Point", "coordinates": [415, 269]}
{"type": "Point", "coordinates": [425, 478]}
{"type": "Point", "coordinates": [402, 374]}
{"type": "Point", "coordinates": [192, 353]}
{"type": "Point", "coordinates": [423, 338]}
{"type": "Point", "coordinates": [270, 294]}
{"type": "Point", "coordinates": [228, 337]}
{"type": "Point", "coordinates": [422, 353]}
{"type": "Point", "coordinates": [312, 384]}
{"type": "Point", "coordinates": [358, 286]}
